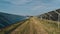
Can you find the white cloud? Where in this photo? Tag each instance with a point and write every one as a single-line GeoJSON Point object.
{"type": "Point", "coordinates": [37, 7]}
{"type": "Point", "coordinates": [18, 2]}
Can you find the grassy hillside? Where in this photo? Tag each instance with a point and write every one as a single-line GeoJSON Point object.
{"type": "Point", "coordinates": [12, 27]}
{"type": "Point", "coordinates": [34, 25]}
{"type": "Point", "coordinates": [51, 26]}
{"type": "Point", "coordinates": [52, 15]}
{"type": "Point", "coordinates": [9, 19]}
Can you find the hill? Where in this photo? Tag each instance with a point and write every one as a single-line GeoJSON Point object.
{"type": "Point", "coordinates": [52, 15]}
{"type": "Point", "coordinates": [8, 19]}
{"type": "Point", "coordinates": [33, 25]}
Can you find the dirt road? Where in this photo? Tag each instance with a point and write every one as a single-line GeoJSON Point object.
{"type": "Point", "coordinates": [35, 26]}
{"type": "Point", "coordinates": [32, 26]}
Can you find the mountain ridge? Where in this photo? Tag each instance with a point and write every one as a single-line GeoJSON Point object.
{"type": "Point", "coordinates": [52, 15]}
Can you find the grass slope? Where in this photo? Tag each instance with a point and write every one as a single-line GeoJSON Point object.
{"type": "Point", "coordinates": [35, 25]}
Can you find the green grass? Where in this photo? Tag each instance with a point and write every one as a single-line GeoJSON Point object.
{"type": "Point", "coordinates": [51, 26]}
{"type": "Point", "coordinates": [11, 27]}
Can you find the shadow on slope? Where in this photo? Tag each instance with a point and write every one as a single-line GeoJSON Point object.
{"type": "Point", "coordinates": [9, 19]}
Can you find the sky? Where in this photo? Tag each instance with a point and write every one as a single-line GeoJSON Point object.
{"type": "Point", "coordinates": [28, 7]}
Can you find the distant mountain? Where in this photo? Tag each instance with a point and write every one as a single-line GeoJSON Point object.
{"type": "Point", "coordinates": [8, 19]}
{"type": "Point", "coordinates": [52, 15]}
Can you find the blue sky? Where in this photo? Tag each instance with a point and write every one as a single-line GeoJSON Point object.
{"type": "Point", "coordinates": [28, 7]}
